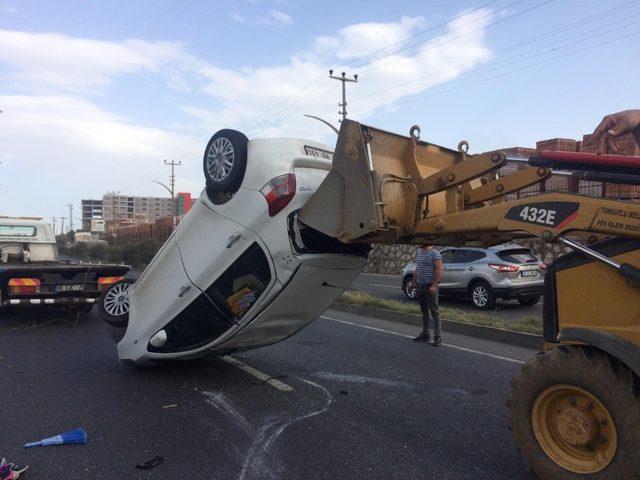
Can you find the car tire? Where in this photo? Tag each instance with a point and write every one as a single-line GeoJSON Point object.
{"type": "Point", "coordinates": [409, 288]}
{"type": "Point", "coordinates": [528, 301]}
{"type": "Point", "coordinates": [225, 161]}
{"type": "Point", "coordinates": [114, 304]}
{"type": "Point", "coordinates": [481, 296]}
{"type": "Point", "coordinates": [596, 395]}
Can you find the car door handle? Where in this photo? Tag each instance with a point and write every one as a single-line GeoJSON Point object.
{"type": "Point", "coordinates": [233, 239]}
{"type": "Point", "coordinates": [472, 268]}
{"type": "Point", "coordinates": [184, 289]}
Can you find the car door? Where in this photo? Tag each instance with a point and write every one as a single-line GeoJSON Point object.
{"type": "Point", "coordinates": [454, 269]}
{"type": "Point", "coordinates": [470, 259]}
{"type": "Point", "coordinates": [447, 272]}
{"type": "Point", "coordinates": [226, 261]}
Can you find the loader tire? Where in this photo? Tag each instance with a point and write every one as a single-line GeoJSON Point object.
{"type": "Point", "coordinates": [574, 415]}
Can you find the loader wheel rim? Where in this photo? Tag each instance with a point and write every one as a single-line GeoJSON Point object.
{"type": "Point", "coordinates": [574, 429]}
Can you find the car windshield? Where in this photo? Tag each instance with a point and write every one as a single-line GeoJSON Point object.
{"type": "Point", "coordinates": [517, 255]}
{"type": "Point", "coordinates": [17, 231]}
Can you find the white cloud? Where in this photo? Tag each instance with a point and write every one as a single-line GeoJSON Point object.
{"type": "Point", "coordinates": [244, 94]}
{"type": "Point", "coordinates": [276, 18]}
{"type": "Point", "coordinates": [60, 62]}
{"type": "Point", "coordinates": [52, 139]}
{"type": "Point", "coordinates": [53, 135]}
{"type": "Point", "coordinates": [236, 17]}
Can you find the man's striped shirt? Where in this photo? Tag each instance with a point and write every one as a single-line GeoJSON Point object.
{"type": "Point", "coordinates": [426, 265]}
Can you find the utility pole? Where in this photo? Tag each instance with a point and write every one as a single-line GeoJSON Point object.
{"type": "Point", "coordinates": [70, 205]}
{"type": "Point", "coordinates": [54, 226]}
{"type": "Point", "coordinates": [343, 79]}
{"type": "Point", "coordinates": [172, 190]}
{"type": "Point", "coordinates": [62, 227]}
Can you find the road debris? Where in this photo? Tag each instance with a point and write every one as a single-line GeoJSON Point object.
{"type": "Point", "coordinates": [72, 437]}
{"type": "Point", "coordinates": [11, 471]}
{"type": "Point", "coordinates": [149, 464]}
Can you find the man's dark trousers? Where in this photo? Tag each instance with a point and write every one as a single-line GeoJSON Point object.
{"type": "Point", "coordinates": [428, 306]}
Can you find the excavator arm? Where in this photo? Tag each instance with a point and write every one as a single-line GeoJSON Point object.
{"type": "Point", "coordinates": [388, 188]}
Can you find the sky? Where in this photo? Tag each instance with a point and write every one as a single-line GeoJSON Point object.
{"type": "Point", "coordinates": [95, 95]}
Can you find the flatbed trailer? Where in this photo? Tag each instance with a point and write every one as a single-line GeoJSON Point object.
{"type": "Point", "coordinates": [31, 273]}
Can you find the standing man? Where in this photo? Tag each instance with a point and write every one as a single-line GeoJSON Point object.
{"type": "Point", "coordinates": [426, 278]}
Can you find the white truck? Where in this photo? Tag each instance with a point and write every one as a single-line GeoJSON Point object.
{"type": "Point", "coordinates": [32, 275]}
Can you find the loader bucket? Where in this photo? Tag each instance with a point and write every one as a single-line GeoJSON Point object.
{"type": "Point", "coordinates": [381, 184]}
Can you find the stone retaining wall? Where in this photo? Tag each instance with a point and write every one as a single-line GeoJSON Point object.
{"type": "Point", "coordinates": [391, 259]}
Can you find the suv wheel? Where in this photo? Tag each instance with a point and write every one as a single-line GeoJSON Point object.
{"type": "Point", "coordinates": [527, 301]}
{"type": "Point", "coordinates": [482, 296]}
{"type": "Point", "coordinates": [409, 288]}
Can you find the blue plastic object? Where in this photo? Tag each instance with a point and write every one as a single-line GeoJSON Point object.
{"type": "Point", "coordinates": [72, 437]}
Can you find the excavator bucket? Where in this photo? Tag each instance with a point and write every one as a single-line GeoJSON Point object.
{"type": "Point", "coordinates": [382, 184]}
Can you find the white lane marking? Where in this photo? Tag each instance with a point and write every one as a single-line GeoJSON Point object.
{"type": "Point", "coordinates": [379, 275]}
{"type": "Point", "coordinates": [386, 286]}
{"type": "Point", "coordinates": [456, 347]}
{"type": "Point", "coordinates": [274, 382]}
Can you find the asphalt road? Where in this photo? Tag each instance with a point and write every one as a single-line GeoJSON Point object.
{"type": "Point", "coordinates": [389, 286]}
{"type": "Point", "coordinates": [364, 403]}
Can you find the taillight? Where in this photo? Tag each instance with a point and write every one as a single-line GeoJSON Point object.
{"type": "Point", "coordinates": [24, 286]}
{"type": "Point", "coordinates": [279, 192]}
{"type": "Point", "coordinates": [106, 282]}
{"type": "Point", "coordinates": [504, 268]}
{"type": "Point", "coordinates": [543, 266]}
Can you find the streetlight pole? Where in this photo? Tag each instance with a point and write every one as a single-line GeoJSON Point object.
{"type": "Point", "coordinates": [170, 190]}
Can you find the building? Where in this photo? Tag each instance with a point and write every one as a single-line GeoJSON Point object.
{"type": "Point", "coordinates": [184, 203]}
{"type": "Point", "coordinates": [91, 210]}
{"type": "Point", "coordinates": [126, 210]}
{"type": "Point", "coordinates": [118, 208]}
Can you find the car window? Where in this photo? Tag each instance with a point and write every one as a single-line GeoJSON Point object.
{"type": "Point", "coordinates": [517, 255]}
{"type": "Point", "coordinates": [242, 284]}
{"type": "Point", "coordinates": [447, 256]}
{"type": "Point", "coordinates": [469, 256]}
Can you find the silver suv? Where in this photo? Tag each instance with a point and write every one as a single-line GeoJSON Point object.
{"type": "Point", "coordinates": [486, 274]}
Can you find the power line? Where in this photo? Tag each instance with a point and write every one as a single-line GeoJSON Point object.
{"type": "Point", "coordinates": [448, 40]}
{"type": "Point", "coordinates": [550, 47]}
{"type": "Point", "coordinates": [575, 52]}
{"type": "Point", "coordinates": [373, 53]}
{"type": "Point", "coordinates": [350, 62]}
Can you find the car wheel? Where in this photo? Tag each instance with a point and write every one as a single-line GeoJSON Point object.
{"type": "Point", "coordinates": [225, 161]}
{"type": "Point", "coordinates": [482, 296]}
{"type": "Point", "coordinates": [528, 301]}
{"type": "Point", "coordinates": [409, 288]}
{"type": "Point", "coordinates": [114, 304]}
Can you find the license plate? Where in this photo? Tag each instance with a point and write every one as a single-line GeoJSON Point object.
{"type": "Point", "coordinates": [530, 273]}
{"type": "Point", "coordinates": [318, 152]}
{"type": "Point", "coordinates": [70, 288]}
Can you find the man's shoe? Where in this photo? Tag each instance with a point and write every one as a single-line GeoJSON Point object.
{"type": "Point", "coordinates": [436, 341]}
{"type": "Point", "coordinates": [423, 337]}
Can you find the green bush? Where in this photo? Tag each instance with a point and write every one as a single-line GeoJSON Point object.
{"type": "Point", "coordinates": [136, 254]}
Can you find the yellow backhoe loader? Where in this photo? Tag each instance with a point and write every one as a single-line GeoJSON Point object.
{"type": "Point", "coordinates": [574, 409]}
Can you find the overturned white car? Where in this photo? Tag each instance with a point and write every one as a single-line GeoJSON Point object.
{"type": "Point", "coordinates": [240, 271]}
